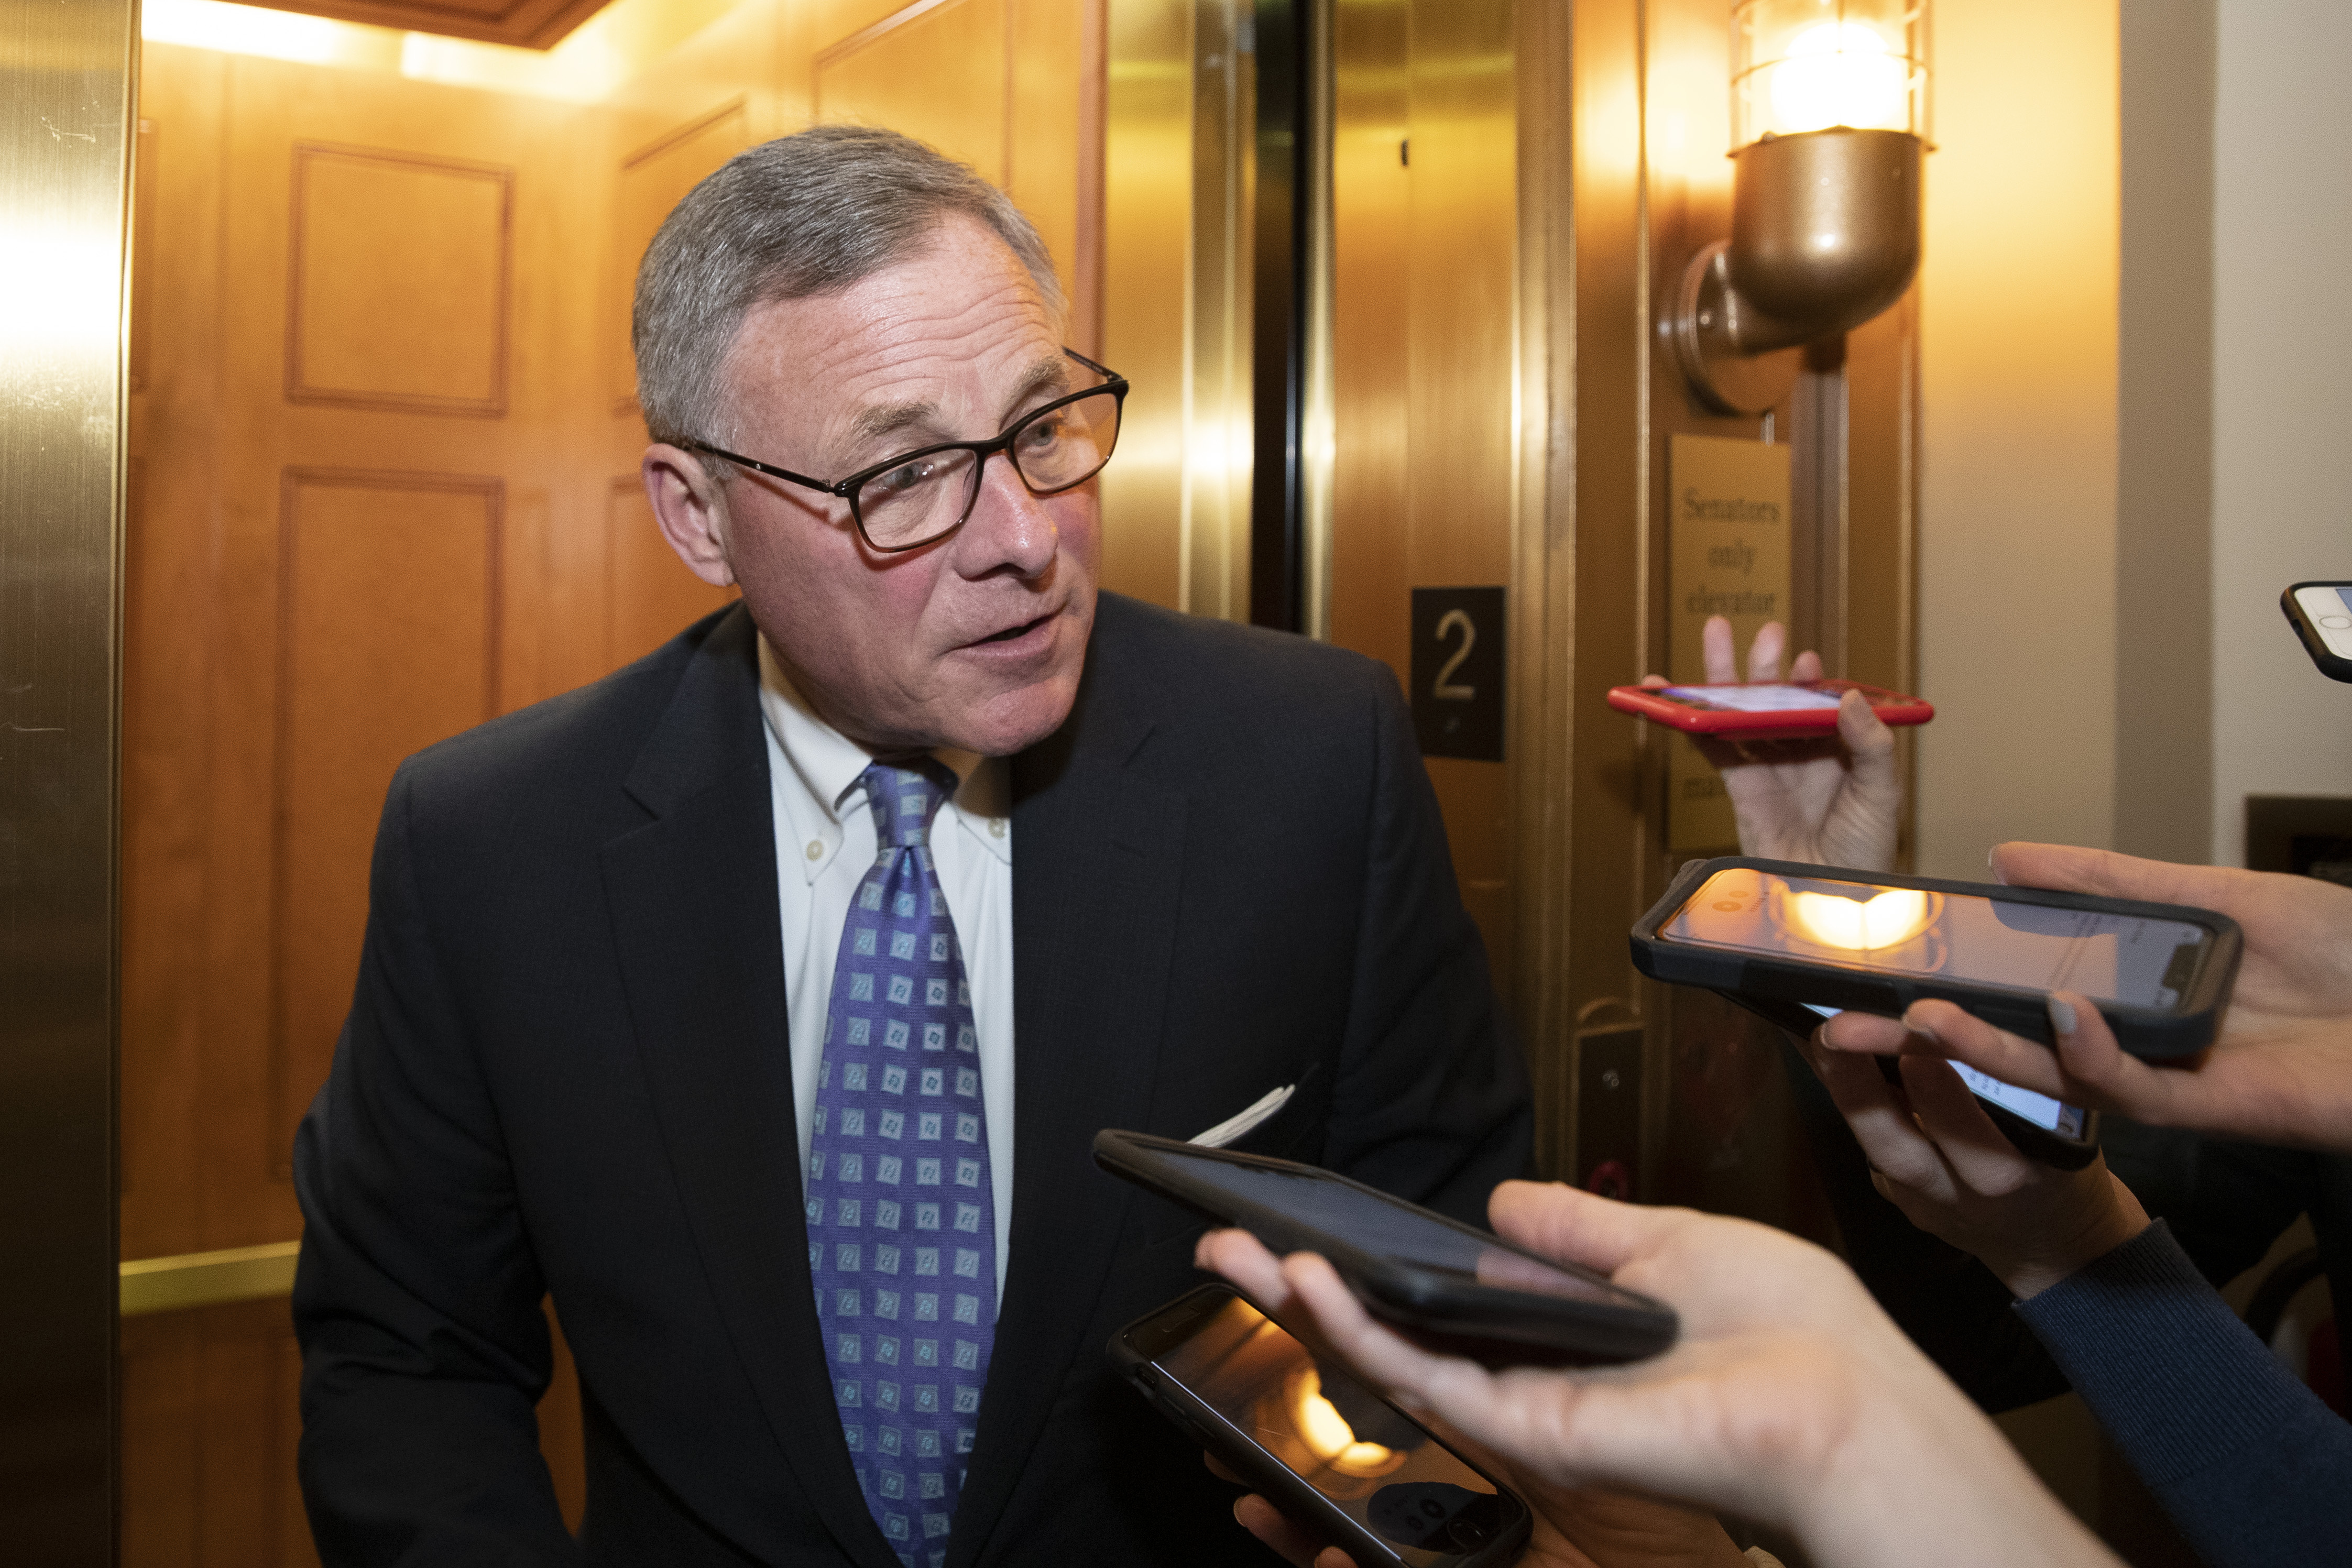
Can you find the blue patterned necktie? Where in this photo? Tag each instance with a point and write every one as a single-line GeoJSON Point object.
{"type": "Point", "coordinates": [902, 1214]}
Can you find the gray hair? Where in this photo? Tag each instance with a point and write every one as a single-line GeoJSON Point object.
{"type": "Point", "coordinates": [804, 214]}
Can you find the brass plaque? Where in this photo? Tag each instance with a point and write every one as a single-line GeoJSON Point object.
{"type": "Point", "coordinates": [1728, 530]}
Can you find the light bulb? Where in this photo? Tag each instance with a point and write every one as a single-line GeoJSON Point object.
{"type": "Point", "coordinates": [1839, 73]}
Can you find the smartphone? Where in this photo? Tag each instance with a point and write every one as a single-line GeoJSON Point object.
{"type": "Point", "coordinates": [1449, 1285]}
{"type": "Point", "coordinates": [2321, 614]}
{"type": "Point", "coordinates": [2160, 973]}
{"type": "Point", "coordinates": [1318, 1445]}
{"type": "Point", "coordinates": [1762, 710]}
{"type": "Point", "coordinates": [2049, 1132]}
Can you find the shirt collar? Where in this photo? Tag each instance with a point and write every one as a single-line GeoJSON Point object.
{"type": "Point", "coordinates": [823, 767]}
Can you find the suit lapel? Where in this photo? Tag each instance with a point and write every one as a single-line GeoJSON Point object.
{"type": "Point", "coordinates": [692, 896]}
{"type": "Point", "coordinates": [1098, 861]}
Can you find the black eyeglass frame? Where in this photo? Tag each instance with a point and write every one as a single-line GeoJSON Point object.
{"type": "Point", "coordinates": [981, 451]}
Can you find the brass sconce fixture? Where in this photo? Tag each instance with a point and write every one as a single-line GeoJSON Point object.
{"type": "Point", "coordinates": [1828, 117]}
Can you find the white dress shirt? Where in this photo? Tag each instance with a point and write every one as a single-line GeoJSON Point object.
{"type": "Point", "coordinates": [824, 846]}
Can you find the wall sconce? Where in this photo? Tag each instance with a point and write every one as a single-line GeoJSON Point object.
{"type": "Point", "coordinates": [1829, 119]}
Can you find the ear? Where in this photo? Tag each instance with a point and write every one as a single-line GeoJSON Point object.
{"type": "Point", "coordinates": [691, 507]}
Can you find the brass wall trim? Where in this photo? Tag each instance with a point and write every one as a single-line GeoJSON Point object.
{"type": "Point", "coordinates": [207, 1279]}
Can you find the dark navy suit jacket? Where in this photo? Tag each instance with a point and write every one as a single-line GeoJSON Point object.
{"type": "Point", "coordinates": [565, 1072]}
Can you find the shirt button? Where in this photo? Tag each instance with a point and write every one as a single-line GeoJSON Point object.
{"type": "Point", "coordinates": [995, 827]}
{"type": "Point", "coordinates": [816, 849]}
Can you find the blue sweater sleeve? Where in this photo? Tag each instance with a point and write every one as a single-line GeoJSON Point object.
{"type": "Point", "coordinates": [2252, 1467]}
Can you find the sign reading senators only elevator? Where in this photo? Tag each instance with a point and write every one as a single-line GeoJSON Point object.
{"type": "Point", "coordinates": [1728, 536]}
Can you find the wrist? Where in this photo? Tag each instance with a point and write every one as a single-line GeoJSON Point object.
{"type": "Point", "coordinates": [1967, 1498]}
{"type": "Point", "coordinates": [2113, 1223]}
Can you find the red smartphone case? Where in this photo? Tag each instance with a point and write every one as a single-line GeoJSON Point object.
{"type": "Point", "coordinates": [1892, 708]}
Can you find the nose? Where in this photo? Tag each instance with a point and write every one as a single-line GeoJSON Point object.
{"type": "Point", "coordinates": [1008, 529]}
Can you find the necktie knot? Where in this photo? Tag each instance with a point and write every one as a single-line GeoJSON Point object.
{"type": "Point", "coordinates": [904, 799]}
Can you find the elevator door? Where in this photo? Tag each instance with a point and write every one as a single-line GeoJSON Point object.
{"type": "Point", "coordinates": [1426, 444]}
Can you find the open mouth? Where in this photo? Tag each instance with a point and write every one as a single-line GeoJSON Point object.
{"type": "Point", "coordinates": [1012, 632]}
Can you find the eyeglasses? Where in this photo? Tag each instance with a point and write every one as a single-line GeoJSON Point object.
{"type": "Point", "coordinates": [922, 497]}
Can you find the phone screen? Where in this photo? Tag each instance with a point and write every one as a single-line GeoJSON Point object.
{"type": "Point", "coordinates": [1336, 1435]}
{"type": "Point", "coordinates": [2127, 958]}
{"type": "Point", "coordinates": [1388, 1229]}
{"type": "Point", "coordinates": [1759, 699]}
{"type": "Point", "coordinates": [2051, 1115]}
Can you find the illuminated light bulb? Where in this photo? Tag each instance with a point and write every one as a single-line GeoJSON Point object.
{"type": "Point", "coordinates": [1888, 920]}
{"type": "Point", "coordinates": [1839, 73]}
{"type": "Point", "coordinates": [1328, 1435]}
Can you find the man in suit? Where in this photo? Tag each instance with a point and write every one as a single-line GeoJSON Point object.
{"type": "Point", "coordinates": [758, 1003]}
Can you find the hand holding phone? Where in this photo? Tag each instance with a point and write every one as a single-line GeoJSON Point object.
{"type": "Point", "coordinates": [2280, 1071]}
{"type": "Point", "coordinates": [2032, 1222]}
{"type": "Point", "coordinates": [1444, 1281]}
{"type": "Point", "coordinates": [2160, 973]}
{"type": "Point", "coordinates": [1835, 798]}
{"type": "Point", "coordinates": [1791, 1399]}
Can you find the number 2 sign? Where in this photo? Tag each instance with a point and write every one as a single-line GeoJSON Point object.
{"type": "Point", "coordinates": [1457, 671]}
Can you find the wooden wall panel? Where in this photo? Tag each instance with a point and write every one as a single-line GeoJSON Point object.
{"type": "Point", "coordinates": [211, 1424]}
{"type": "Point", "coordinates": [170, 632]}
{"type": "Point", "coordinates": [652, 595]}
{"type": "Point", "coordinates": [937, 72]}
{"type": "Point", "coordinates": [397, 297]}
{"type": "Point", "coordinates": [163, 682]}
{"type": "Point", "coordinates": [210, 1427]}
{"type": "Point", "coordinates": [652, 180]}
{"type": "Point", "coordinates": [387, 642]}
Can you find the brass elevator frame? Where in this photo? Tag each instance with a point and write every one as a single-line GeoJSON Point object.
{"type": "Point", "coordinates": [69, 84]}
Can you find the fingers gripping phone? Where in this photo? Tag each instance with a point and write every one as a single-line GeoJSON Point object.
{"type": "Point", "coordinates": [1319, 1445]}
{"type": "Point", "coordinates": [1455, 1288]}
{"type": "Point", "coordinates": [2159, 973]}
{"type": "Point", "coordinates": [2065, 1137]}
{"type": "Point", "coordinates": [2321, 614]}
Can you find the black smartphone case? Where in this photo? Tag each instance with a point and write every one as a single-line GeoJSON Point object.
{"type": "Point", "coordinates": [2038, 1144]}
{"type": "Point", "coordinates": [2334, 666]}
{"type": "Point", "coordinates": [2150, 1032]}
{"type": "Point", "coordinates": [1276, 1481]}
{"type": "Point", "coordinates": [1496, 1326]}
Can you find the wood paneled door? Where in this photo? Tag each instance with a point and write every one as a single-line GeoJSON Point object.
{"type": "Point", "coordinates": [360, 487]}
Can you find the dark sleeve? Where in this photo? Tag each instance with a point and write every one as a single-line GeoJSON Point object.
{"type": "Point", "coordinates": [418, 1299]}
{"type": "Point", "coordinates": [2225, 1202]}
{"type": "Point", "coordinates": [2250, 1466]}
{"type": "Point", "coordinates": [1430, 1100]}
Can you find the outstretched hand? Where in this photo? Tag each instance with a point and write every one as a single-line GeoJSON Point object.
{"type": "Point", "coordinates": [1831, 801]}
{"type": "Point", "coordinates": [2280, 1072]}
{"type": "Point", "coordinates": [1790, 1398]}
